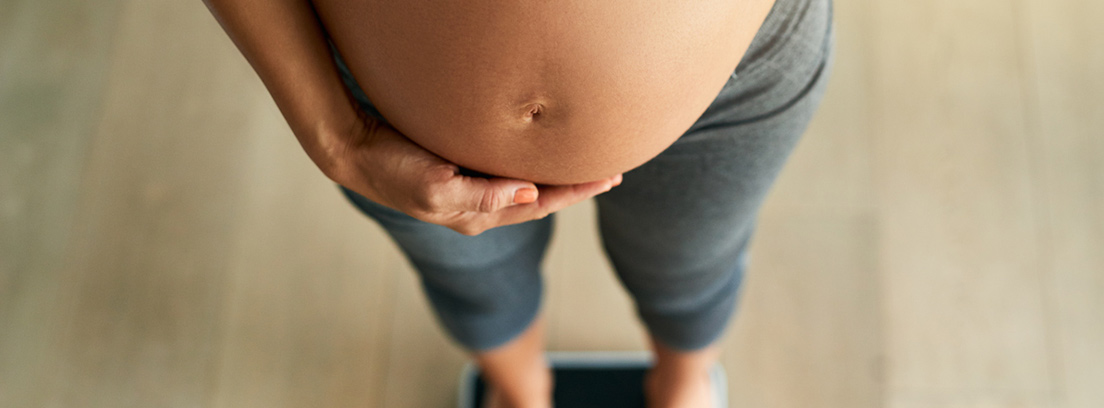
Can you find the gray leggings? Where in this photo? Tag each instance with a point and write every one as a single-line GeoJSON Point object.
{"type": "Point", "coordinates": [678, 227]}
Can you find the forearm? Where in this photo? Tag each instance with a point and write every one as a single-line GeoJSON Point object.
{"type": "Point", "coordinates": [285, 44]}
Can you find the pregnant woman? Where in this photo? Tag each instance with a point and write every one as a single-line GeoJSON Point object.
{"type": "Point", "coordinates": [462, 126]}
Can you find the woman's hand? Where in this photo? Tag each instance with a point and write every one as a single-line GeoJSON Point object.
{"type": "Point", "coordinates": [384, 166]}
{"type": "Point", "coordinates": [286, 45]}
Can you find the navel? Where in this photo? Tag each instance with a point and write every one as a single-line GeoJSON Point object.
{"type": "Point", "coordinates": [533, 111]}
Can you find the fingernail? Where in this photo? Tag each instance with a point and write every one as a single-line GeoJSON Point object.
{"type": "Point", "coordinates": [525, 195]}
{"type": "Point", "coordinates": [617, 180]}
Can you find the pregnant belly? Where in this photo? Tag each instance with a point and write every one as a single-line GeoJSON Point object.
{"type": "Point", "coordinates": [551, 92]}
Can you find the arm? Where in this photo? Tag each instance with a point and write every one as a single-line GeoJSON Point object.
{"type": "Point", "coordinates": [286, 45]}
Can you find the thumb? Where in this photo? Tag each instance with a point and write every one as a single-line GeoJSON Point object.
{"type": "Point", "coordinates": [494, 194]}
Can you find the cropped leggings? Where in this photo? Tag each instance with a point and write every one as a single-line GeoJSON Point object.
{"type": "Point", "coordinates": [676, 230]}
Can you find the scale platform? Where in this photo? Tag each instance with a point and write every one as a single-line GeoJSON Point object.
{"type": "Point", "coordinates": [590, 379]}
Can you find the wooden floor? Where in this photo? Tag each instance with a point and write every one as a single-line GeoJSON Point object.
{"type": "Point", "coordinates": [937, 239]}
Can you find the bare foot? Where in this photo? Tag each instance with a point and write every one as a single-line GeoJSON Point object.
{"type": "Point", "coordinates": [678, 390]}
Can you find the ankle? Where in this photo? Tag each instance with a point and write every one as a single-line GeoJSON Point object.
{"type": "Point", "coordinates": [531, 389]}
{"type": "Point", "coordinates": [675, 375]}
{"type": "Point", "coordinates": [526, 401]}
{"type": "Point", "coordinates": [668, 388]}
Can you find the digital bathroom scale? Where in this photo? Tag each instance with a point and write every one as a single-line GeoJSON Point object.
{"type": "Point", "coordinates": [599, 379]}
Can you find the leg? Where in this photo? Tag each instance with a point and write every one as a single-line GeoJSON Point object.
{"type": "Point", "coordinates": [485, 291]}
{"type": "Point", "coordinates": [517, 371]}
{"type": "Point", "coordinates": [680, 378]}
{"type": "Point", "coordinates": [677, 230]}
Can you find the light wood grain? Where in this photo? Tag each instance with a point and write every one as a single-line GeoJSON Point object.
{"type": "Point", "coordinates": [809, 329]}
{"type": "Point", "coordinates": [307, 320]}
{"type": "Point", "coordinates": [1066, 49]}
{"type": "Point", "coordinates": [960, 265]}
{"type": "Point", "coordinates": [970, 402]}
{"type": "Point", "coordinates": [54, 60]}
{"type": "Point", "coordinates": [424, 365]}
{"type": "Point", "coordinates": [588, 308]}
{"type": "Point", "coordinates": [147, 268]}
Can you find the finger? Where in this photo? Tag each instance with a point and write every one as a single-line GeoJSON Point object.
{"type": "Point", "coordinates": [554, 198]}
{"type": "Point", "coordinates": [487, 195]}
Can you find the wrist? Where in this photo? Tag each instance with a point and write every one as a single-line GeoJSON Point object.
{"type": "Point", "coordinates": [340, 145]}
{"type": "Point", "coordinates": [326, 143]}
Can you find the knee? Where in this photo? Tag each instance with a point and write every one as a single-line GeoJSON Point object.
{"type": "Point", "coordinates": [691, 293]}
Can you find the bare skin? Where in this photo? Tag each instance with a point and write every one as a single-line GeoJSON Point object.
{"type": "Point", "coordinates": [553, 92]}
{"type": "Point", "coordinates": [517, 371]}
{"type": "Point", "coordinates": [556, 98]}
{"type": "Point", "coordinates": [680, 379]}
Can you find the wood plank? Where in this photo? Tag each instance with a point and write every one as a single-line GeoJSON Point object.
{"type": "Point", "coordinates": [53, 72]}
{"type": "Point", "coordinates": [1066, 44]}
{"type": "Point", "coordinates": [808, 328]}
{"type": "Point", "coordinates": [971, 402]}
{"type": "Point", "coordinates": [586, 306]}
{"type": "Point", "coordinates": [424, 364]}
{"type": "Point", "coordinates": [960, 267]}
{"type": "Point", "coordinates": [310, 299]}
{"type": "Point", "coordinates": [158, 206]}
